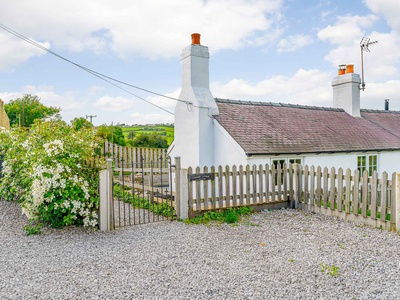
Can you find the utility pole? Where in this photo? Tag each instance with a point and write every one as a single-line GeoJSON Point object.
{"type": "Point", "coordinates": [23, 115]}
{"type": "Point", "coordinates": [91, 117]}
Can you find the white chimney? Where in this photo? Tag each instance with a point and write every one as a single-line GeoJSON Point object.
{"type": "Point", "coordinates": [195, 75]}
{"type": "Point", "coordinates": [346, 90]}
{"type": "Point", "coordinates": [194, 122]}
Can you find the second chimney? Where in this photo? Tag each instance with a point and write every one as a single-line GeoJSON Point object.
{"type": "Point", "coordinates": [346, 90]}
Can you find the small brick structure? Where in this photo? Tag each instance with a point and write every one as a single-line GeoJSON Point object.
{"type": "Point", "coordinates": [4, 120]}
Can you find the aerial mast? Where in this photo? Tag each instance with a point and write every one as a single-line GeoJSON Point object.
{"type": "Point", "coordinates": [365, 42]}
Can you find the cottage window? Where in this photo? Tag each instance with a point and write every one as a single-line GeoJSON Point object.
{"type": "Point", "coordinates": [295, 161]}
{"type": "Point", "coordinates": [278, 162]}
{"type": "Point", "coordinates": [367, 162]}
{"type": "Point", "coordinates": [281, 162]}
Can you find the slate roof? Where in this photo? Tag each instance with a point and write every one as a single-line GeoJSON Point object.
{"type": "Point", "coordinates": [279, 128]}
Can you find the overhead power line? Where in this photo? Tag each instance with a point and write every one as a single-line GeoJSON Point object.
{"type": "Point", "coordinates": [99, 75]}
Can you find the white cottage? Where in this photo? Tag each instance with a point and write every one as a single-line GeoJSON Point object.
{"type": "Point", "coordinates": [211, 131]}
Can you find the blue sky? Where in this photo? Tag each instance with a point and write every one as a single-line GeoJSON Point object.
{"type": "Point", "coordinates": [271, 50]}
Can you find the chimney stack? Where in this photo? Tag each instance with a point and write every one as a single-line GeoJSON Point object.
{"type": "Point", "coordinates": [346, 90]}
{"type": "Point", "coordinates": [194, 122]}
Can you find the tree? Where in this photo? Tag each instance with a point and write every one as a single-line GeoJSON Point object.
{"type": "Point", "coordinates": [24, 111]}
{"type": "Point", "coordinates": [79, 123]}
{"type": "Point", "coordinates": [112, 134]}
{"type": "Point", "coordinates": [118, 136]}
{"type": "Point", "coordinates": [152, 140]}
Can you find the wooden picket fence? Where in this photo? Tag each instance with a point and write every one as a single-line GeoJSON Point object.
{"type": "Point", "coordinates": [352, 196]}
{"type": "Point", "coordinates": [362, 199]}
{"type": "Point", "coordinates": [133, 155]}
{"type": "Point", "coordinates": [239, 186]}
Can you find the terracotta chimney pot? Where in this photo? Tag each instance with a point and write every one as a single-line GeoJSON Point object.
{"type": "Point", "coordinates": [196, 39]}
{"type": "Point", "coordinates": [349, 69]}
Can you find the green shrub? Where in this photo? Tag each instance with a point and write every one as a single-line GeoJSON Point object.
{"type": "Point", "coordinates": [46, 170]}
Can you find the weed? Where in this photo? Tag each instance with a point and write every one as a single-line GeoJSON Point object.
{"type": "Point", "coordinates": [331, 270]}
{"type": "Point", "coordinates": [230, 216]}
{"type": "Point", "coordinates": [165, 209]}
{"type": "Point", "coordinates": [291, 260]}
{"type": "Point", "coordinates": [341, 246]}
{"type": "Point", "coordinates": [33, 228]}
{"type": "Point", "coordinates": [248, 223]}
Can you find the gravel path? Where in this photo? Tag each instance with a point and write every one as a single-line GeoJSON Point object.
{"type": "Point", "coordinates": [273, 255]}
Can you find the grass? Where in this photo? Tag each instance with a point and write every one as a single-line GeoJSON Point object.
{"type": "Point", "coordinates": [229, 216]}
{"type": "Point", "coordinates": [163, 209]}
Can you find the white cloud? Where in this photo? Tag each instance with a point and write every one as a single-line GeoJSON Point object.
{"type": "Point", "coordinates": [164, 102]}
{"type": "Point", "coordinates": [14, 51]}
{"type": "Point", "coordinates": [67, 101]}
{"type": "Point", "coordinates": [375, 94]}
{"type": "Point", "coordinates": [139, 118]}
{"type": "Point", "coordinates": [380, 64]}
{"type": "Point", "coordinates": [7, 96]}
{"type": "Point", "coordinates": [347, 29]}
{"type": "Point", "coordinates": [70, 106]}
{"type": "Point", "coordinates": [389, 9]}
{"type": "Point", "coordinates": [308, 87]}
{"type": "Point", "coordinates": [294, 42]}
{"type": "Point", "coordinates": [95, 90]}
{"type": "Point", "coordinates": [108, 103]}
{"type": "Point", "coordinates": [149, 28]}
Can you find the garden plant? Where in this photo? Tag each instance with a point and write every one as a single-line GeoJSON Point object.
{"type": "Point", "coordinates": [46, 169]}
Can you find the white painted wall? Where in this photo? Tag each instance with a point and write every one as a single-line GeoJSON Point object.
{"type": "Point", "coordinates": [336, 160]}
{"type": "Point", "coordinates": [227, 150]}
{"type": "Point", "coordinates": [389, 162]}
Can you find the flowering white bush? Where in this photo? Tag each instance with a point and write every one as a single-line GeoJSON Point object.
{"type": "Point", "coordinates": [46, 169]}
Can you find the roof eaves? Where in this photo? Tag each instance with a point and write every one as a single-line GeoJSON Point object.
{"type": "Point", "coordinates": [318, 152]}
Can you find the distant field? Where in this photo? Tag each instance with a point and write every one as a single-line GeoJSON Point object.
{"type": "Point", "coordinates": [165, 131]}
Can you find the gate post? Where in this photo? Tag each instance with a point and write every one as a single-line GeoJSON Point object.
{"type": "Point", "coordinates": [181, 190]}
{"type": "Point", "coordinates": [296, 187]}
{"type": "Point", "coordinates": [106, 204]}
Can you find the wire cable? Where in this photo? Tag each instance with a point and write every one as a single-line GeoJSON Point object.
{"type": "Point", "coordinates": [99, 75]}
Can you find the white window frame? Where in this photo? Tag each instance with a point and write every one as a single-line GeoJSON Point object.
{"type": "Point", "coordinates": [287, 160]}
{"type": "Point", "coordinates": [369, 164]}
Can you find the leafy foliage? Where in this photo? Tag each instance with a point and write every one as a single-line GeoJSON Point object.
{"type": "Point", "coordinates": [46, 170]}
{"type": "Point", "coordinates": [112, 134]}
{"type": "Point", "coordinates": [152, 140]}
{"type": "Point", "coordinates": [79, 123]}
{"type": "Point", "coordinates": [24, 111]}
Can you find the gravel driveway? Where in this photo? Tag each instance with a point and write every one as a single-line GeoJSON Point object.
{"type": "Point", "coordinates": [285, 254]}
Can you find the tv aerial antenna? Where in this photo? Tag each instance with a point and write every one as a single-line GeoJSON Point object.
{"type": "Point", "coordinates": [364, 44]}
